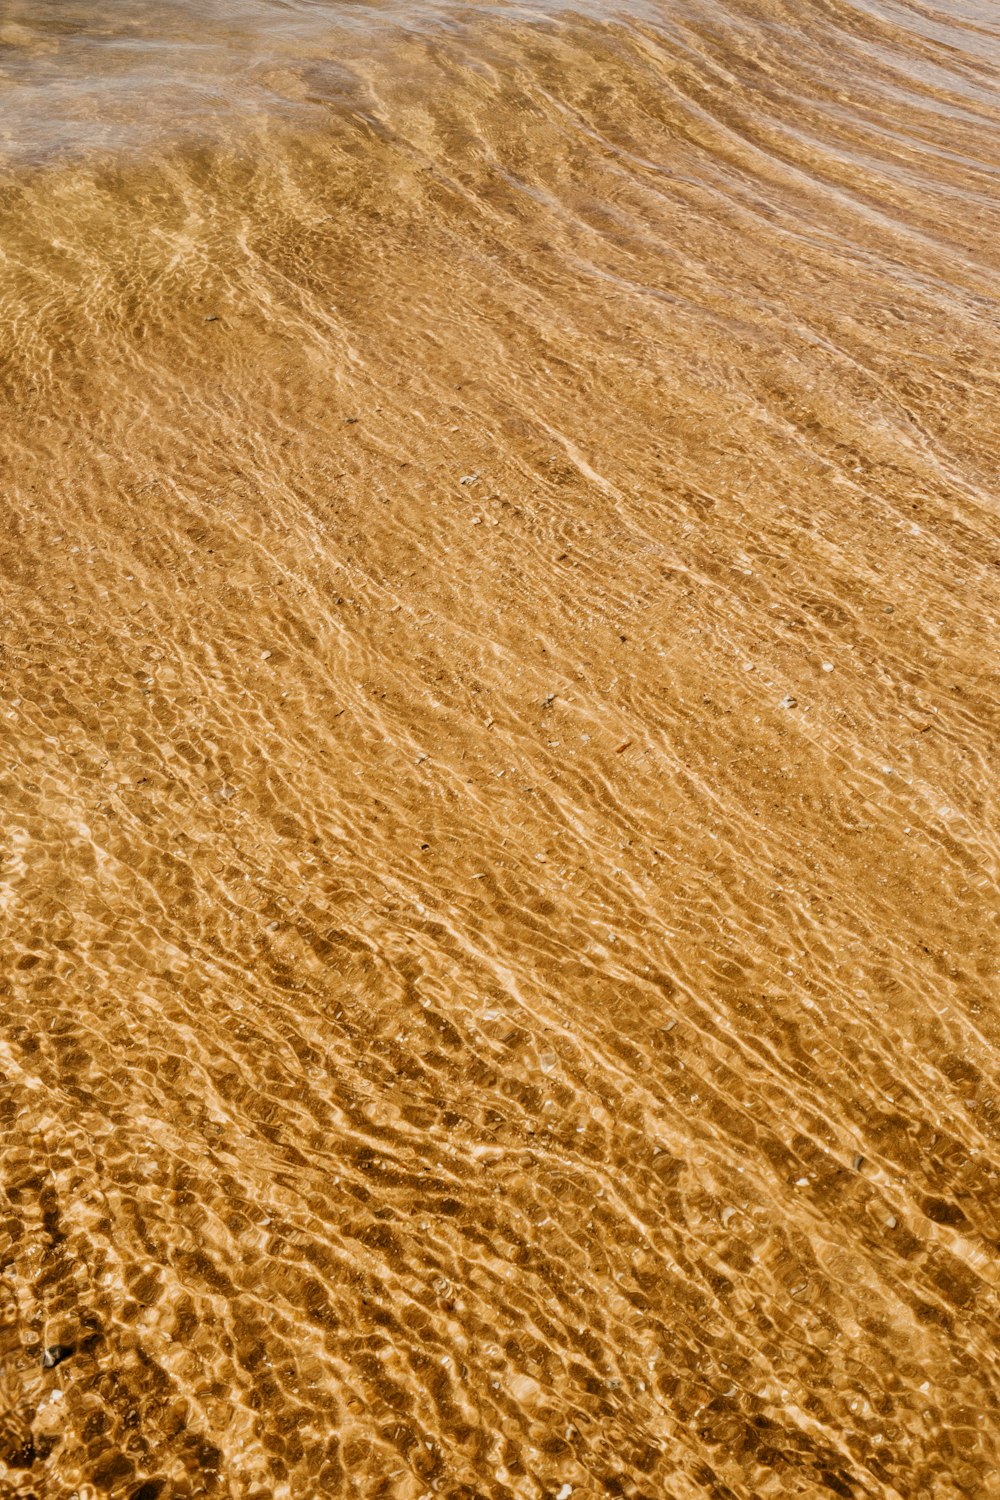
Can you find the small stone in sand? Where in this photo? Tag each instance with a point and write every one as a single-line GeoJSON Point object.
{"type": "Point", "coordinates": [55, 1354]}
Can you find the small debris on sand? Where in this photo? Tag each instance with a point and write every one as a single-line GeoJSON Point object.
{"type": "Point", "coordinates": [55, 1354]}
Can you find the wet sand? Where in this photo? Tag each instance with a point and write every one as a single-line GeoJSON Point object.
{"type": "Point", "coordinates": [498, 691]}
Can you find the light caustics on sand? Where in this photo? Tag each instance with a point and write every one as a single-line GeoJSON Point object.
{"type": "Point", "coordinates": [499, 724]}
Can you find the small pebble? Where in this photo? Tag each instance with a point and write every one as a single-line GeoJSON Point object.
{"type": "Point", "coordinates": [55, 1354]}
{"type": "Point", "coordinates": [788, 701]}
{"type": "Point", "coordinates": [828, 666]}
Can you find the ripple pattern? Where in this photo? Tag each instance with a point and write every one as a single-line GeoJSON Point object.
{"type": "Point", "coordinates": [500, 835]}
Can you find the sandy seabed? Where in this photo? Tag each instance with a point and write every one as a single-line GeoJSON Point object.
{"type": "Point", "coordinates": [498, 707]}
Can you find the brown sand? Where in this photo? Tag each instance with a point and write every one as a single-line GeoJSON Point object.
{"type": "Point", "coordinates": [499, 706]}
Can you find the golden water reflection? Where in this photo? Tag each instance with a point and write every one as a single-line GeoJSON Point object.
{"type": "Point", "coordinates": [499, 703]}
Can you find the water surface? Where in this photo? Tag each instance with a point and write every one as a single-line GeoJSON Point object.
{"type": "Point", "coordinates": [499, 701]}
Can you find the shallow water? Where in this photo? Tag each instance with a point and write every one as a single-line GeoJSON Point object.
{"type": "Point", "coordinates": [499, 704]}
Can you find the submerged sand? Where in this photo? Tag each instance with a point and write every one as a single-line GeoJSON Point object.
{"type": "Point", "coordinates": [499, 707]}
